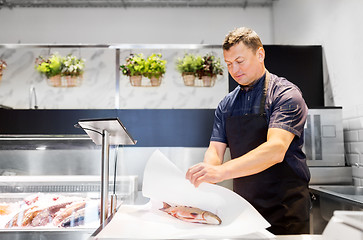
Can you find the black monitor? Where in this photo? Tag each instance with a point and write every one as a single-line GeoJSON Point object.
{"type": "Point", "coordinates": [301, 65]}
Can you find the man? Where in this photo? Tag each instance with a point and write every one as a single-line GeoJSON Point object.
{"type": "Point", "coordinates": [262, 122]}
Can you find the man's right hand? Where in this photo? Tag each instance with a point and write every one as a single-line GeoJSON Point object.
{"type": "Point", "coordinates": [205, 172]}
{"type": "Point", "coordinates": [211, 169]}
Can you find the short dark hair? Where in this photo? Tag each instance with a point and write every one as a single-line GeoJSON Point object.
{"type": "Point", "coordinates": [245, 35]}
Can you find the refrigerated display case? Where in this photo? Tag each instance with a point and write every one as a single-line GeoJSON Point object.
{"type": "Point", "coordinates": [50, 186]}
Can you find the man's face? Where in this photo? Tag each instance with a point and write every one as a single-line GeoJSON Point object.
{"type": "Point", "coordinates": [243, 64]}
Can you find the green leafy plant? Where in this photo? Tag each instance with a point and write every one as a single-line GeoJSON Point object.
{"type": "Point", "coordinates": [134, 66]}
{"type": "Point", "coordinates": [57, 65]}
{"type": "Point", "coordinates": [49, 67]}
{"type": "Point", "coordinates": [211, 66]}
{"type": "Point", "coordinates": [190, 63]}
{"type": "Point", "coordinates": [154, 66]}
{"type": "Point", "coordinates": [72, 66]}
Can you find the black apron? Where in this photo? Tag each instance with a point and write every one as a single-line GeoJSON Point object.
{"type": "Point", "coordinates": [278, 193]}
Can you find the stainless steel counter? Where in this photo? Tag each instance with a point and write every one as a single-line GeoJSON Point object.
{"type": "Point", "coordinates": [76, 234]}
{"type": "Point", "coordinates": [344, 193]}
{"type": "Point", "coordinates": [329, 198]}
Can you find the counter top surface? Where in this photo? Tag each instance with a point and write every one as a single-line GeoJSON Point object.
{"type": "Point", "coordinates": [139, 199]}
{"type": "Point", "coordinates": [347, 193]}
{"type": "Point", "coordinates": [279, 237]}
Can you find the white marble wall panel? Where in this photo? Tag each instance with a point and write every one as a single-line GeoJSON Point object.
{"type": "Point", "coordinates": [172, 93]}
{"type": "Point", "coordinates": [98, 90]}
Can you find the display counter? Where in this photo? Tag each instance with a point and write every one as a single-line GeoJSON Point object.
{"type": "Point", "coordinates": [50, 186]}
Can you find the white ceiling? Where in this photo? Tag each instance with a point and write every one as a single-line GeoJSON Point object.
{"type": "Point", "coordinates": [136, 3]}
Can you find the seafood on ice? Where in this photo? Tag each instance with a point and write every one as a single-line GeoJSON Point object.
{"type": "Point", "coordinates": [5, 208]}
{"type": "Point", "coordinates": [191, 214]}
{"type": "Point", "coordinates": [53, 211]}
{"type": "Point", "coordinates": [66, 212]}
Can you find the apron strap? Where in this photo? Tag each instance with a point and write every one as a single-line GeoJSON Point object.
{"type": "Point", "coordinates": [264, 93]}
{"type": "Point", "coordinates": [263, 97]}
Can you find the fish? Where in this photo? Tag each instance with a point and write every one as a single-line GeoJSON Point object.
{"type": "Point", "coordinates": [67, 211]}
{"type": "Point", "coordinates": [88, 214]}
{"type": "Point", "coordinates": [41, 210]}
{"type": "Point", "coordinates": [14, 221]}
{"type": "Point", "coordinates": [23, 218]}
{"type": "Point", "coordinates": [29, 215]}
{"type": "Point", "coordinates": [46, 215]}
{"type": "Point", "coordinates": [191, 214]}
{"type": "Point", "coordinates": [37, 215]}
{"type": "Point", "coordinates": [75, 219]}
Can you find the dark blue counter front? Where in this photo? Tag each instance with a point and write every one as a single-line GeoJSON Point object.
{"type": "Point", "coordinates": [150, 127]}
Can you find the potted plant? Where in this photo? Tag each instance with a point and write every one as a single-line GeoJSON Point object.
{"type": "Point", "coordinates": [154, 68]}
{"type": "Point", "coordinates": [188, 66]}
{"type": "Point", "coordinates": [3, 66]}
{"type": "Point", "coordinates": [209, 70]}
{"type": "Point", "coordinates": [134, 68]}
{"type": "Point", "coordinates": [51, 68]}
{"type": "Point", "coordinates": [61, 71]}
{"type": "Point", "coordinates": [72, 70]}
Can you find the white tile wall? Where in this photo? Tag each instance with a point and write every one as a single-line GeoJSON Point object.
{"type": "Point", "coordinates": [353, 141]}
{"type": "Point", "coordinates": [351, 136]}
{"type": "Point", "coordinates": [358, 181]}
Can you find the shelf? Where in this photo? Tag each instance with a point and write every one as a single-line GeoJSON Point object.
{"type": "Point", "coordinates": [165, 46]}
{"type": "Point", "coordinates": [60, 45]}
{"type": "Point", "coordinates": [113, 46]}
{"type": "Point", "coordinates": [138, 3]}
{"type": "Point", "coordinates": [45, 142]}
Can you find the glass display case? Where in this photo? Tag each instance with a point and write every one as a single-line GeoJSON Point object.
{"type": "Point", "coordinates": [50, 186]}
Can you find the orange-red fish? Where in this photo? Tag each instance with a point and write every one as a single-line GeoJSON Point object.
{"type": "Point", "coordinates": [191, 214]}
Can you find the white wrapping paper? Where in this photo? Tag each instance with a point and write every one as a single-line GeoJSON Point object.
{"type": "Point", "coordinates": [164, 182]}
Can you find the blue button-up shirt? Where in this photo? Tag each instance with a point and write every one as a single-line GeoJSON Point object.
{"type": "Point", "coordinates": [285, 108]}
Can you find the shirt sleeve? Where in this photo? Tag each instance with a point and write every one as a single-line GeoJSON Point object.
{"type": "Point", "coordinates": [289, 111]}
{"type": "Point", "coordinates": [219, 126]}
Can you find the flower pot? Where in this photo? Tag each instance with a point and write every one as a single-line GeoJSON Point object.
{"type": "Point", "coordinates": [72, 81]}
{"type": "Point", "coordinates": [155, 82]}
{"type": "Point", "coordinates": [135, 80]}
{"type": "Point", "coordinates": [189, 79]}
{"type": "Point", "coordinates": [55, 81]}
{"type": "Point", "coordinates": [65, 81]}
{"type": "Point", "coordinates": [208, 81]}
